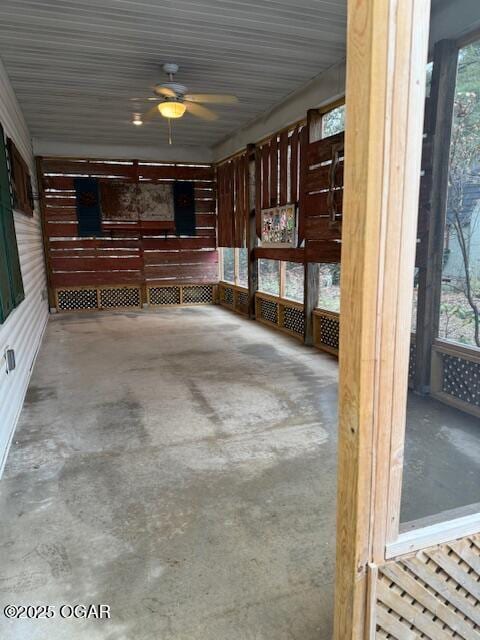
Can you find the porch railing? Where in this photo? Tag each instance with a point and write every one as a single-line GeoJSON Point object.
{"type": "Point", "coordinates": [456, 376]}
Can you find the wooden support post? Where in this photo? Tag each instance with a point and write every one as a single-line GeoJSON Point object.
{"type": "Point", "coordinates": [314, 125]}
{"type": "Point", "coordinates": [387, 44]}
{"type": "Point", "coordinates": [310, 298]}
{"type": "Point", "coordinates": [252, 239]}
{"type": "Point", "coordinates": [442, 95]}
{"type": "Point", "coordinates": [311, 270]}
{"type": "Point", "coordinates": [52, 303]}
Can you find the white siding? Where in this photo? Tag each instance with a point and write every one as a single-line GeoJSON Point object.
{"type": "Point", "coordinates": [24, 328]}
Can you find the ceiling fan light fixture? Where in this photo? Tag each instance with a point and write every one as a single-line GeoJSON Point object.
{"type": "Point", "coordinates": [172, 109]}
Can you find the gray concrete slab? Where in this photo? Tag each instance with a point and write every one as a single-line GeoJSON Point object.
{"type": "Point", "coordinates": [180, 467]}
{"type": "Point", "coordinates": [442, 459]}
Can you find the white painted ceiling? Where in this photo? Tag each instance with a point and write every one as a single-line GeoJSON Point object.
{"type": "Point", "coordinates": [76, 64]}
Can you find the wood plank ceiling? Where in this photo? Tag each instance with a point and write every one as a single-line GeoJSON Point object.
{"type": "Point", "coordinates": [76, 64]}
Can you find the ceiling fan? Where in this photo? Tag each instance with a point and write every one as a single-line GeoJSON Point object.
{"type": "Point", "coordinates": [174, 101]}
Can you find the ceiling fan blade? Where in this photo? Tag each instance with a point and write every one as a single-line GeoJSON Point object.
{"type": "Point", "coordinates": [165, 91]}
{"type": "Point", "coordinates": [199, 111]}
{"type": "Point", "coordinates": [213, 98]}
{"type": "Point", "coordinates": [150, 113]}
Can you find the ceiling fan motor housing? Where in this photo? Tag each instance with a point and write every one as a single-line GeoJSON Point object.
{"type": "Point", "coordinates": [179, 89]}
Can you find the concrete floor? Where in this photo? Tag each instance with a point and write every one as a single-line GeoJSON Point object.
{"type": "Point", "coordinates": [180, 467]}
{"type": "Point", "coordinates": [442, 459]}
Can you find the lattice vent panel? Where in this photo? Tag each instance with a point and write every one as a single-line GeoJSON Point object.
{"type": "Point", "coordinates": [242, 302]}
{"type": "Point", "coordinates": [433, 595]}
{"type": "Point", "coordinates": [164, 295]}
{"type": "Point", "coordinates": [119, 298]}
{"type": "Point", "coordinates": [461, 379]}
{"type": "Point", "coordinates": [329, 333]}
{"type": "Point", "coordinates": [268, 310]}
{"type": "Point", "coordinates": [227, 296]}
{"type": "Point", "coordinates": [294, 319]}
{"type": "Point", "coordinates": [73, 299]}
{"type": "Point", "coordinates": [198, 294]}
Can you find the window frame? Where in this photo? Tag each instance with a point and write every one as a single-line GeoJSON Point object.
{"type": "Point", "coordinates": [12, 291]}
{"type": "Point", "coordinates": [236, 267]}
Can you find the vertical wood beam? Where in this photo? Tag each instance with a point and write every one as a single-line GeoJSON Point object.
{"type": "Point", "coordinates": [311, 270]}
{"type": "Point", "coordinates": [310, 298]}
{"type": "Point", "coordinates": [52, 302]}
{"type": "Point", "coordinates": [442, 96]}
{"type": "Point", "coordinates": [387, 53]}
{"type": "Point", "coordinates": [254, 201]}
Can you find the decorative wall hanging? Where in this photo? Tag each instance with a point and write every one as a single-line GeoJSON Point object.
{"type": "Point", "coordinates": [140, 201]}
{"type": "Point", "coordinates": [279, 226]}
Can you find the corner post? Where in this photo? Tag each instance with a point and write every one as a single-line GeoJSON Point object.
{"type": "Point", "coordinates": [311, 270]}
{"type": "Point", "coordinates": [252, 240]}
{"type": "Point", "coordinates": [442, 95]}
{"type": "Point", "coordinates": [387, 43]}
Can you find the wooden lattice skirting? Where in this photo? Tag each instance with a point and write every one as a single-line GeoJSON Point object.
{"type": "Point", "coordinates": [95, 298]}
{"type": "Point", "coordinates": [280, 313]}
{"type": "Point", "coordinates": [326, 330]}
{"type": "Point", "coordinates": [433, 594]}
{"type": "Point", "coordinates": [233, 297]}
{"type": "Point", "coordinates": [456, 376]}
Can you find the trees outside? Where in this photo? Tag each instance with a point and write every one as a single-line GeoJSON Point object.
{"type": "Point", "coordinates": [228, 257]}
{"type": "Point", "coordinates": [329, 289]}
{"type": "Point", "coordinates": [269, 276]}
{"type": "Point", "coordinates": [460, 300]}
{"type": "Point", "coordinates": [243, 267]}
{"type": "Point", "coordinates": [294, 278]}
{"type": "Point", "coordinates": [333, 122]}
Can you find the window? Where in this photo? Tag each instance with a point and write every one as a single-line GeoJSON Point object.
{"type": "Point", "coordinates": [294, 276]}
{"type": "Point", "coordinates": [11, 285]}
{"type": "Point", "coordinates": [333, 122]}
{"type": "Point", "coordinates": [269, 276]}
{"type": "Point", "coordinates": [329, 287]}
{"type": "Point", "coordinates": [242, 275]}
{"type": "Point", "coordinates": [228, 264]}
{"type": "Point", "coordinates": [234, 264]}
{"type": "Point", "coordinates": [20, 180]}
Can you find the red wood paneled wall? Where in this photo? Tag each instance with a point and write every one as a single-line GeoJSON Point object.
{"type": "Point", "coordinates": [277, 182]}
{"type": "Point", "coordinates": [291, 169]}
{"type": "Point", "coordinates": [321, 201]}
{"type": "Point", "coordinates": [232, 181]}
{"type": "Point", "coordinates": [127, 252]}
